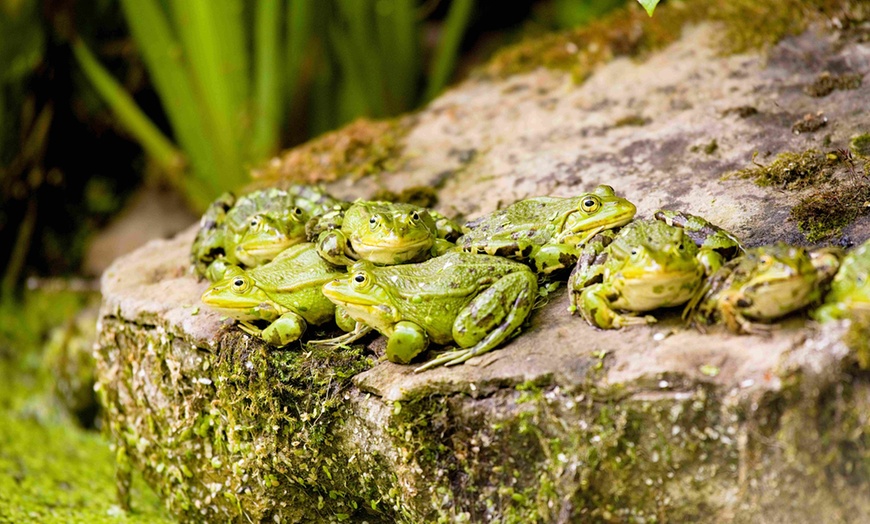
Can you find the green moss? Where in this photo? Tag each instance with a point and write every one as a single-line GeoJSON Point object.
{"type": "Point", "coordinates": [825, 212]}
{"type": "Point", "coordinates": [754, 24]}
{"type": "Point", "coordinates": [631, 121]}
{"type": "Point", "coordinates": [625, 32]}
{"type": "Point", "coordinates": [423, 196]}
{"type": "Point", "coordinates": [709, 148]}
{"type": "Point", "coordinates": [50, 469]}
{"type": "Point", "coordinates": [256, 425]}
{"type": "Point", "coordinates": [860, 145]}
{"type": "Point", "coordinates": [745, 25]}
{"type": "Point", "coordinates": [360, 148]}
{"type": "Point", "coordinates": [794, 170]}
{"type": "Point", "coordinates": [826, 83]}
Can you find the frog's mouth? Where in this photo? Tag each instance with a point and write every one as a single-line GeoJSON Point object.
{"type": "Point", "coordinates": [390, 251]}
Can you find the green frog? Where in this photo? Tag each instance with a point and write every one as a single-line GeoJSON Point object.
{"type": "Point", "coordinates": [285, 292]}
{"type": "Point", "coordinates": [716, 244]}
{"type": "Point", "coordinates": [547, 232]}
{"type": "Point", "coordinates": [475, 301]}
{"type": "Point", "coordinates": [764, 284]}
{"type": "Point", "coordinates": [850, 289]}
{"type": "Point", "coordinates": [384, 233]}
{"type": "Point", "coordinates": [254, 228]}
{"type": "Point", "coordinates": [648, 264]}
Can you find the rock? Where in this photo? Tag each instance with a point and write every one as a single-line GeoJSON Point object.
{"type": "Point", "coordinates": [565, 423]}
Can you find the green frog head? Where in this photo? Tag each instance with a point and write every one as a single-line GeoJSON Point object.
{"type": "Point", "coordinates": [383, 233]}
{"type": "Point", "coordinates": [286, 293]}
{"type": "Point", "coordinates": [267, 235]}
{"type": "Point", "coordinates": [548, 232]}
{"type": "Point", "coordinates": [850, 289]}
{"type": "Point", "coordinates": [647, 265]}
{"type": "Point", "coordinates": [764, 284]}
{"type": "Point", "coordinates": [474, 301]}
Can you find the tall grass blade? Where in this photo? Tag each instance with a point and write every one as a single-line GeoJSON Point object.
{"type": "Point", "coordinates": [160, 148]}
{"type": "Point", "coordinates": [444, 59]}
{"type": "Point", "coordinates": [267, 108]}
{"type": "Point", "coordinates": [212, 36]}
{"type": "Point", "coordinates": [168, 68]}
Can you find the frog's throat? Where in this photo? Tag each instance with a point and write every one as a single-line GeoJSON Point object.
{"type": "Point", "coordinates": [396, 242]}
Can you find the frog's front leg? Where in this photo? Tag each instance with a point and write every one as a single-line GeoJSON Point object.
{"type": "Point", "coordinates": [218, 269]}
{"type": "Point", "coordinates": [594, 305]}
{"type": "Point", "coordinates": [553, 257]}
{"type": "Point", "coordinates": [406, 342]}
{"type": "Point", "coordinates": [490, 318]}
{"type": "Point", "coordinates": [711, 260]}
{"type": "Point", "coordinates": [332, 246]}
{"type": "Point", "coordinates": [287, 328]}
{"type": "Point", "coordinates": [729, 309]}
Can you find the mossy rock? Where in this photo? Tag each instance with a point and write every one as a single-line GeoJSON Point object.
{"type": "Point", "coordinates": [565, 423]}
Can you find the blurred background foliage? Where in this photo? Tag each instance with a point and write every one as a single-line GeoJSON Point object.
{"type": "Point", "coordinates": [100, 96]}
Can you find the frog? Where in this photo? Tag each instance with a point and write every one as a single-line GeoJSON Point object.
{"type": "Point", "coordinates": [717, 245]}
{"type": "Point", "coordinates": [648, 264]}
{"type": "Point", "coordinates": [384, 233]}
{"type": "Point", "coordinates": [850, 289]}
{"type": "Point", "coordinates": [285, 292]}
{"type": "Point", "coordinates": [474, 301]}
{"type": "Point", "coordinates": [766, 283]}
{"type": "Point", "coordinates": [254, 228]}
{"type": "Point", "coordinates": [546, 232]}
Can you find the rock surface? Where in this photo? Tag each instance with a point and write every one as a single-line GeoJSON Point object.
{"type": "Point", "coordinates": [565, 423]}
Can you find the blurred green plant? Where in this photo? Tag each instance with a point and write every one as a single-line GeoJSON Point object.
{"type": "Point", "coordinates": [231, 73]}
{"type": "Point", "coordinates": [649, 5]}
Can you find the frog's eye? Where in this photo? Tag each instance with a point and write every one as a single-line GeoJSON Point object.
{"type": "Point", "coordinates": [360, 280]}
{"type": "Point", "coordinates": [297, 213]}
{"type": "Point", "coordinates": [255, 222]}
{"type": "Point", "coordinates": [375, 221]}
{"type": "Point", "coordinates": [415, 216]}
{"type": "Point", "coordinates": [590, 204]}
{"type": "Point", "coordinates": [240, 285]}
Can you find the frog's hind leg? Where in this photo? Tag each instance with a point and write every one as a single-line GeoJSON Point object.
{"type": "Point", "coordinates": [595, 307]}
{"type": "Point", "coordinates": [738, 323]}
{"type": "Point", "coordinates": [491, 318]}
{"type": "Point", "coordinates": [288, 328]}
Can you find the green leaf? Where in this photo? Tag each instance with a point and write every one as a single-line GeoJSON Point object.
{"type": "Point", "coordinates": [266, 112]}
{"type": "Point", "coordinates": [448, 46]}
{"type": "Point", "coordinates": [131, 117]}
{"type": "Point", "coordinates": [168, 68]}
{"type": "Point", "coordinates": [649, 5]}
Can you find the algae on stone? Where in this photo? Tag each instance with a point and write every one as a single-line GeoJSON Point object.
{"type": "Point", "coordinates": [361, 148]}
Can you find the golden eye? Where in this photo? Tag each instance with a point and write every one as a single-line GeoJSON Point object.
{"type": "Point", "coordinates": [375, 221]}
{"type": "Point", "coordinates": [240, 285]}
{"type": "Point", "coordinates": [255, 222]}
{"type": "Point", "coordinates": [590, 204]}
{"type": "Point", "coordinates": [360, 280]}
{"type": "Point", "coordinates": [415, 216]}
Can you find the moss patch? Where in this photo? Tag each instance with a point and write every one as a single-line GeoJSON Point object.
{"type": "Point", "coordinates": [423, 196]}
{"type": "Point", "coordinates": [837, 185]}
{"type": "Point", "coordinates": [746, 24]}
{"type": "Point", "coordinates": [251, 425]}
{"type": "Point", "coordinates": [51, 470]}
{"type": "Point", "coordinates": [860, 145]}
{"type": "Point", "coordinates": [826, 83]}
{"type": "Point", "coordinates": [361, 148]}
{"type": "Point", "coordinates": [794, 170]}
{"type": "Point", "coordinates": [825, 212]}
